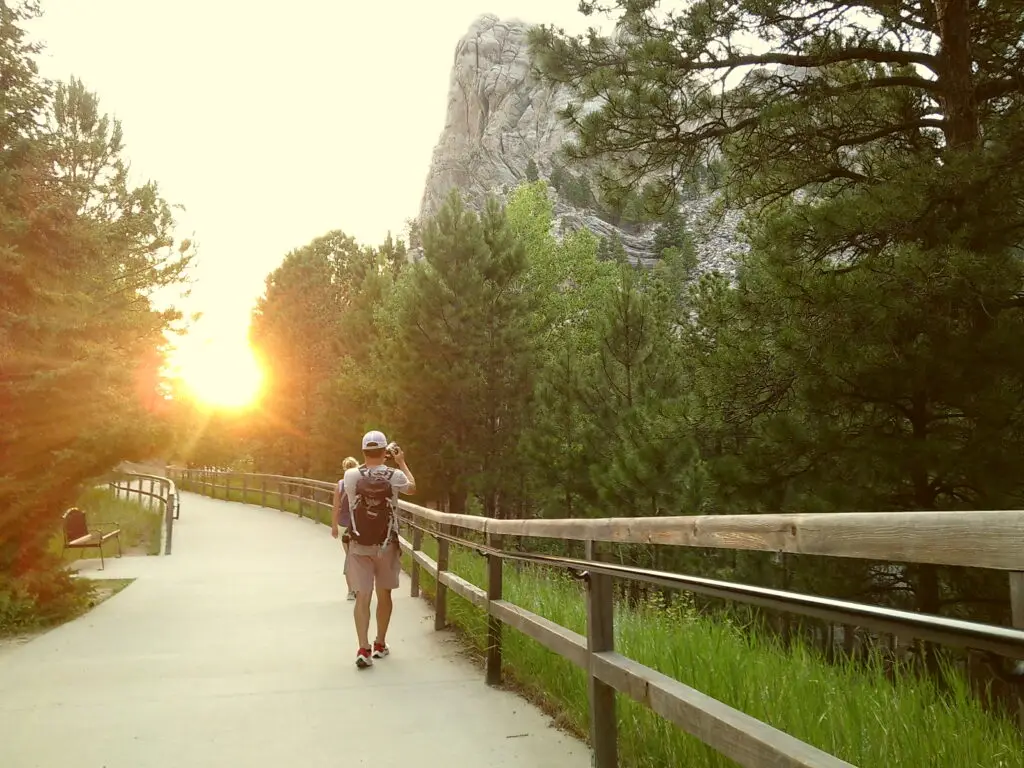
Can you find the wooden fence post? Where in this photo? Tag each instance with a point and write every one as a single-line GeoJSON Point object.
{"type": "Point", "coordinates": [301, 497]}
{"type": "Point", "coordinates": [280, 495]}
{"type": "Point", "coordinates": [441, 593]}
{"type": "Point", "coordinates": [600, 638]}
{"type": "Point", "coordinates": [152, 488]}
{"type": "Point", "coordinates": [170, 512]}
{"type": "Point", "coordinates": [1017, 619]}
{"type": "Point", "coordinates": [414, 573]}
{"type": "Point", "coordinates": [263, 491]}
{"type": "Point", "coordinates": [493, 623]}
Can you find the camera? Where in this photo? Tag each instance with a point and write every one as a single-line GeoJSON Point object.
{"type": "Point", "coordinates": [391, 449]}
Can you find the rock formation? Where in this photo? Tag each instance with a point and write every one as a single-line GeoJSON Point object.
{"type": "Point", "coordinates": [500, 117]}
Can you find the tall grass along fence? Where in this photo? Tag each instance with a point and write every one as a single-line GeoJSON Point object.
{"type": "Point", "coordinates": [657, 685]}
{"type": "Point", "coordinates": [152, 491]}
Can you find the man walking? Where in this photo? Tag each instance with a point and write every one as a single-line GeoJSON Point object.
{"type": "Point", "coordinates": [374, 558]}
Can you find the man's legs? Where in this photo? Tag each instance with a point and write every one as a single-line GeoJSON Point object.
{"type": "Point", "coordinates": [388, 569]}
{"type": "Point", "coordinates": [348, 577]}
{"type": "Point", "coordinates": [361, 572]}
{"type": "Point", "coordinates": [384, 608]}
{"type": "Point", "coordinates": [362, 617]}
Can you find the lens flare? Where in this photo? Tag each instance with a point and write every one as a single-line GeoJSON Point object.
{"type": "Point", "coordinates": [222, 375]}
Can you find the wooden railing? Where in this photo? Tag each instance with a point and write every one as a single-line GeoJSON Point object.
{"type": "Point", "coordinates": [992, 540]}
{"type": "Point", "coordinates": [310, 498]}
{"type": "Point", "coordinates": [161, 490]}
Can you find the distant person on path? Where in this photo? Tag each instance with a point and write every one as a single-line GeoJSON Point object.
{"type": "Point", "coordinates": [374, 557]}
{"type": "Point", "coordinates": [341, 515]}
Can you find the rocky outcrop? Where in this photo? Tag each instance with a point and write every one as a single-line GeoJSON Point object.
{"type": "Point", "coordinates": [500, 118]}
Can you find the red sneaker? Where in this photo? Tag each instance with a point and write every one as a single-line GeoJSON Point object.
{"type": "Point", "coordinates": [364, 659]}
{"type": "Point", "coordinates": [380, 650]}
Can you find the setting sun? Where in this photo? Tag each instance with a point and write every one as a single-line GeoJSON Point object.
{"type": "Point", "coordinates": [221, 374]}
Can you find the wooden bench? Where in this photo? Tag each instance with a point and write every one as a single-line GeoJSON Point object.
{"type": "Point", "coordinates": [77, 534]}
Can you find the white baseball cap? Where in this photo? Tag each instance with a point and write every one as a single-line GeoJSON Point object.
{"type": "Point", "coordinates": [374, 439]}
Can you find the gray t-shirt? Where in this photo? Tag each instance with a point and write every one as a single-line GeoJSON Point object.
{"type": "Point", "coordinates": [399, 484]}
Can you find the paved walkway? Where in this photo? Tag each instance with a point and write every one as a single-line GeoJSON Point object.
{"type": "Point", "coordinates": [238, 650]}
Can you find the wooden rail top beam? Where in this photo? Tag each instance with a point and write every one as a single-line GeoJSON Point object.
{"type": "Point", "coordinates": [977, 539]}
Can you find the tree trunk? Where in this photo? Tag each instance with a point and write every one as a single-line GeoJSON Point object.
{"type": "Point", "coordinates": [456, 502]}
{"type": "Point", "coordinates": [959, 101]}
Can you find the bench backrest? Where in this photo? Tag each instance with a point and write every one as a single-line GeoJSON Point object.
{"type": "Point", "coordinates": [75, 526]}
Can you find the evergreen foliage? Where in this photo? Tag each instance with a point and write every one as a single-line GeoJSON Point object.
{"type": "Point", "coordinates": [81, 252]}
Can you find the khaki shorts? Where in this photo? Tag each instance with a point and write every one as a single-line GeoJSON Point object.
{"type": "Point", "coordinates": [367, 566]}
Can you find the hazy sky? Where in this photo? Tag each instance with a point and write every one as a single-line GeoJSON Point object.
{"type": "Point", "coordinates": [273, 127]}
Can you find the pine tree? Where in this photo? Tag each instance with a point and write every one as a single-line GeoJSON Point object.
{"type": "Point", "coordinates": [570, 284]}
{"type": "Point", "coordinates": [463, 354]}
{"type": "Point", "coordinates": [672, 232]}
{"type": "Point", "coordinates": [616, 250]}
{"type": "Point", "coordinates": [869, 358]}
{"type": "Point", "coordinates": [632, 391]}
{"type": "Point", "coordinates": [80, 342]}
{"type": "Point", "coordinates": [926, 85]}
{"type": "Point", "coordinates": [557, 178]}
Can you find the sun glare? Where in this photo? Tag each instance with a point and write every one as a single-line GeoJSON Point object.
{"type": "Point", "coordinates": [222, 375]}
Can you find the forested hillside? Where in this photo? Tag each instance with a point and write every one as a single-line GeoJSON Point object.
{"type": "Point", "coordinates": [866, 355]}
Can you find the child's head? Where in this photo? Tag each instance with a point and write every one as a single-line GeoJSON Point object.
{"type": "Point", "coordinates": [349, 463]}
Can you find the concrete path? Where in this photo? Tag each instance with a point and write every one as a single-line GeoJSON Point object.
{"type": "Point", "coordinates": [238, 650]}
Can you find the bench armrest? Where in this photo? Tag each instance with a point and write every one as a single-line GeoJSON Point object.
{"type": "Point", "coordinates": [109, 525]}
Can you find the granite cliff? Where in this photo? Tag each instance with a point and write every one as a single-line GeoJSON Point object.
{"type": "Point", "coordinates": [500, 118]}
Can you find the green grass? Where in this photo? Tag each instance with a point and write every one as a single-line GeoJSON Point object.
{"type": "Point", "coordinates": [850, 710]}
{"type": "Point", "coordinates": [140, 527]}
{"type": "Point", "coordinates": [48, 594]}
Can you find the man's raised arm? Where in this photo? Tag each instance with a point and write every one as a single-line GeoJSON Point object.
{"type": "Point", "coordinates": [409, 489]}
